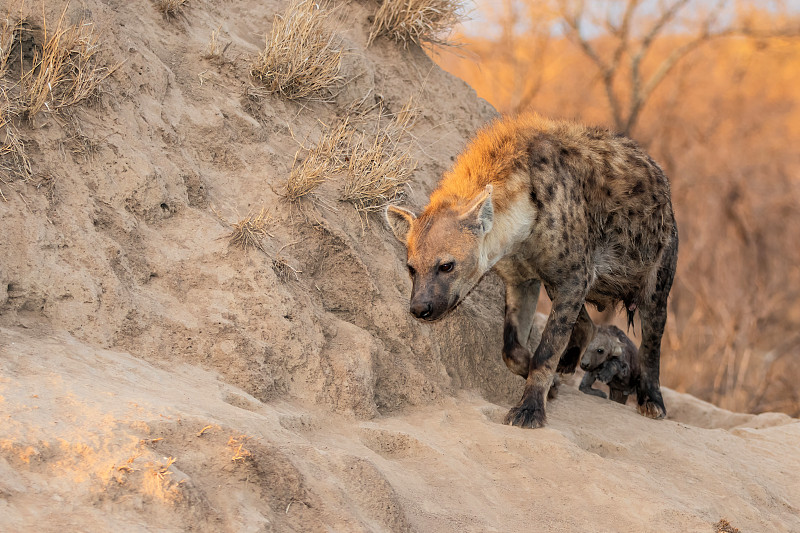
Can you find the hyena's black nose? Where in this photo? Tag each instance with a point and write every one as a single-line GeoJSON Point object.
{"type": "Point", "coordinates": [421, 309]}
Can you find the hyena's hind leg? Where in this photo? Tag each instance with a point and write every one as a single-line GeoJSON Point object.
{"type": "Point", "coordinates": [653, 314]}
{"type": "Point", "coordinates": [582, 335]}
{"type": "Point", "coordinates": [521, 299]}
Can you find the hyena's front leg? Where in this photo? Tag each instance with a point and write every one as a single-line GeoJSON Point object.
{"type": "Point", "coordinates": [521, 299]}
{"type": "Point", "coordinates": [567, 303]}
{"type": "Point", "coordinates": [586, 385]}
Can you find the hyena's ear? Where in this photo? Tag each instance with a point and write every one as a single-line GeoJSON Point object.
{"type": "Point", "coordinates": [616, 351]}
{"type": "Point", "coordinates": [399, 221]}
{"type": "Point", "coordinates": [480, 213]}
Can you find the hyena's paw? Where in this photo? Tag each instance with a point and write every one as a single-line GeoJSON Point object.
{"type": "Point", "coordinates": [651, 404]}
{"type": "Point", "coordinates": [526, 417]}
{"type": "Point", "coordinates": [652, 410]}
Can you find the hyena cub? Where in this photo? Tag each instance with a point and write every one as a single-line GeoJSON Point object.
{"type": "Point", "coordinates": [582, 211]}
{"type": "Point", "coordinates": [611, 358]}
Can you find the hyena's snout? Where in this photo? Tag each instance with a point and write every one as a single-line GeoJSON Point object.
{"type": "Point", "coordinates": [421, 309]}
{"type": "Point", "coordinates": [586, 361]}
{"type": "Point", "coordinates": [429, 303]}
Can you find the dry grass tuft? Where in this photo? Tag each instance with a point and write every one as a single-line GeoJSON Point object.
{"type": "Point", "coordinates": [302, 58]}
{"type": "Point", "coordinates": [13, 161]}
{"type": "Point", "coordinates": [171, 9]}
{"type": "Point", "coordinates": [417, 21]}
{"type": "Point", "coordinates": [328, 156]}
{"type": "Point", "coordinates": [251, 230]}
{"type": "Point", "coordinates": [42, 71]}
{"type": "Point", "coordinates": [375, 159]}
{"type": "Point", "coordinates": [66, 69]}
{"type": "Point", "coordinates": [214, 49]}
{"type": "Point", "coordinates": [240, 453]}
{"type": "Point", "coordinates": [282, 268]}
{"type": "Point", "coordinates": [381, 164]}
{"type": "Point", "coordinates": [10, 29]}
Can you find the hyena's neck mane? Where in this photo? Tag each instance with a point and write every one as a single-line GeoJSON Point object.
{"type": "Point", "coordinates": [498, 153]}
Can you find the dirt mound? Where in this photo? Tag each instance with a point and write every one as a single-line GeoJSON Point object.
{"type": "Point", "coordinates": [153, 376]}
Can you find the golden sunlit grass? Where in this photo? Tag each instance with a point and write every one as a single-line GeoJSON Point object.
{"type": "Point", "coordinates": [303, 57]}
{"type": "Point", "coordinates": [171, 9]}
{"type": "Point", "coordinates": [158, 482]}
{"type": "Point", "coordinates": [205, 428]}
{"type": "Point", "coordinates": [236, 444]}
{"type": "Point", "coordinates": [251, 231]}
{"type": "Point", "coordinates": [417, 21]}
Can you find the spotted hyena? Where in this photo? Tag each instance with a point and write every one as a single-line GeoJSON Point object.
{"type": "Point", "coordinates": [580, 210]}
{"type": "Point", "coordinates": [611, 358]}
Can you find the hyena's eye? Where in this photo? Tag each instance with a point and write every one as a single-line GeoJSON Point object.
{"type": "Point", "coordinates": [446, 267]}
{"type": "Point", "coordinates": [411, 270]}
{"type": "Point", "coordinates": [601, 351]}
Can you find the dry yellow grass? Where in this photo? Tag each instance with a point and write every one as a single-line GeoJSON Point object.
{"type": "Point", "coordinates": [328, 156]}
{"type": "Point", "coordinates": [376, 162]}
{"type": "Point", "coordinates": [251, 231]}
{"type": "Point", "coordinates": [66, 69]}
{"type": "Point", "coordinates": [240, 453]}
{"type": "Point", "coordinates": [215, 49]}
{"type": "Point", "coordinates": [416, 21]}
{"type": "Point", "coordinates": [380, 164]}
{"type": "Point", "coordinates": [303, 57]}
{"type": "Point", "coordinates": [9, 34]}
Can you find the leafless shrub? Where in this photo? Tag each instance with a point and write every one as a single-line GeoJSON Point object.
{"type": "Point", "coordinates": [302, 58]}
{"type": "Point", "coordinates": [417, 21]}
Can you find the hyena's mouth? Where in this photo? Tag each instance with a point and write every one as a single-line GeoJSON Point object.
{"type": "Point", "coordinates": [436, 315]}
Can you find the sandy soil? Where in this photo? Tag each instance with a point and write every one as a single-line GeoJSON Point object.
{"type": "Point", "coordinates": [154, 378]}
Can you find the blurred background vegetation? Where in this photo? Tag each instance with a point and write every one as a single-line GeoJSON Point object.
{"type": "Point", "coordinates": [712, 90]}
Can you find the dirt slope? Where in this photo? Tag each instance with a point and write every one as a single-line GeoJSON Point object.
{"type": "Point", "coordinates": [129, 325]}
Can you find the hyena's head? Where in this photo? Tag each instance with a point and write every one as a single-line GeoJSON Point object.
{"type": "Point", "coordinates": [603, 347]}
{"type": "Point", "coordinates": [446, 255]}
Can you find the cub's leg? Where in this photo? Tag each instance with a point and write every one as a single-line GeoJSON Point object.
{"type": "Point", "coordinates": [586, 385]}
